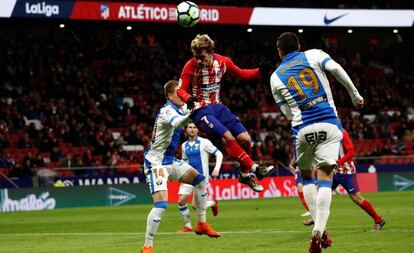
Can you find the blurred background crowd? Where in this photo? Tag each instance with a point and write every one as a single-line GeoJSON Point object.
{"type": "Point", "coordinates": [74, 97]}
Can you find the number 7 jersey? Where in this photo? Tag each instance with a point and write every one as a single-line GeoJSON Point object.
{"type": "Point", "coordinates": [301, 88]}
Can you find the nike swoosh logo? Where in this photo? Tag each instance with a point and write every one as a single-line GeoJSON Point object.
{"type": "Point", "coordinates": [328, 21]}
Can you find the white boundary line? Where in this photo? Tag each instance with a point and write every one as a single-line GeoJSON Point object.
{"type": "Point", "coordinates": [175, 233]}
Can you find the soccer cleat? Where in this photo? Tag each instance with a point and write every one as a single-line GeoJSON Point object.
{"type": "Point", "coordinates": [146, 249]}
{"type": "Point", "coordinates": [215, 208]}
{"type": "Point", "coordinates": [307, 213]}
{"type": "Point", "coordinates": [204, 229]}
{"type": "Point", "coordinates": [249, 180]}
{"type": "Point", "coordinates": [308, 222]}
{"type": "Point", "coordinates": [326, 240]}
{"type": "Point", "coordinates": [185, 229]}
{"type": "Point", "coordinates": [315, 245]}
{"type": "Point", "coordinates": [262, 171]}
{"type": "Point", "coordinates": [378, 225]}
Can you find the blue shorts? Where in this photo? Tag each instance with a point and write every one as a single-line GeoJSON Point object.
{"type": "Point", "coordinates": [216, 119]}
{"type": "Point", "coordinates": [348, 181]}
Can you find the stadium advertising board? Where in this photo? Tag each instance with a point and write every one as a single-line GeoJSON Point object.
{"type": "Point", "coordinates": [12, 200]}
{"type": "Point", "coordinates": [231, 189]}
{"type": "Point", "coordinates": [165, 13]}
{"type": "Point", "coordinates": [43, 9]}
{"type": "Point", "coordinates": [396, 181]}
{"type": "Point", "coordinates": [103, 180]}
{"type": "Point", "coordinates": [147, 12]}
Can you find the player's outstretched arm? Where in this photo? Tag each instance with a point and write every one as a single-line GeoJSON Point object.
{"type": "Point", "coordinates": [186, 78]}
{"type": "Point", "coordinates": [242, 74]}
{"type": "Point", "coordinates": [340, 74]}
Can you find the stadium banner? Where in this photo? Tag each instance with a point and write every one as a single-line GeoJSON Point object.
{"type": "Point", "coordinates": [149, 12]}
{"type": "Point", "coordinates": [43, 9]}
{"type": "Point", "coordinates": [332, 17]}
{"type": "Point", "coordinates": [367, 182]}
{"type": "Point", "coordinates": [209, 14]}
{"type": "Point", "coordinates": [232, 189]}
{"type": "Point", "coordinates": [6, 8]}
{"type": "Point", "coordinates": [103, 180]}
{"type": "Point", "coordinates": [32, 199]}
{"type": "Point", "coordinates": [396, 181]}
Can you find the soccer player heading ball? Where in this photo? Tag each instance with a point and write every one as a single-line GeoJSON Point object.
{"type": "Point", "coordinates": [200, 83]}
{"type": "Point", "coordinates": [301, 90]}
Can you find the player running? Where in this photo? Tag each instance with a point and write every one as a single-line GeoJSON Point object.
{"type": "Point", "coordinates": [301, 90]}
{"type": "Point", "coordinates": [161, 165]}
{"type": "Point", "coordinates": [345, 175]}
{"type": "Point", "coordinates": [196, 152]}
{"type": "Point", "coordinates": [200, 82]}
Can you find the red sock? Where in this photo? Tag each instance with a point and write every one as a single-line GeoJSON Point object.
{"type": "Point", "coordinates": [302, 199]}
{"type": "Point", "coordinates": [236, 152]}
{"type": "Point", "coordinates": [366, 205]}
{"type": "Point", "coordinates": [248, 150]}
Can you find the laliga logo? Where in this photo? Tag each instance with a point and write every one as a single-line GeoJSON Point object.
{"type": "Point", "coordinates": [42, 8]}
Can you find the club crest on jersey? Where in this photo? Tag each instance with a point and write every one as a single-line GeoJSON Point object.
{"type": "Point", "coordinates": [219, 74]}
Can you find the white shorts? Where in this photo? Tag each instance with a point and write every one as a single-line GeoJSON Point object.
{"type": "Point", "coordinates": [158, 175]}
{"type": "Point", "coordinates": [317, 145]}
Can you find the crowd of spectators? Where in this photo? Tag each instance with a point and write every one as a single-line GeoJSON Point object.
{"type": "Point", "coordinates": [75, 88]}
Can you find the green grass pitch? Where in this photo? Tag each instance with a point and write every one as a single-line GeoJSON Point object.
{"type": "Point", "coordinates": [253, 226]}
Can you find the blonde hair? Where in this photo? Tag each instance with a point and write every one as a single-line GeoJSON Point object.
{"type": "Point", "coordinates": [169, 87]}
{"type": "Point", "coordinates": [202, 41]}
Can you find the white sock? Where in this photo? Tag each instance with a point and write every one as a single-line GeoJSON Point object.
{"type": "Point", "coordinates": [200, 199]}
{"type": "Point", "coordinates": [210, 203]}
{"type": "Point", "coordinates": [310, 193]}
{"type": "Point", "coordinates": [185, 213]}
{"type": "Point", "coordinates": [323, 204]}
{"type": "Point", "coordinates": [153, 221]}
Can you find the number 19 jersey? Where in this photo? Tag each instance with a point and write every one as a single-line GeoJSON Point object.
{"type": "Point", "coordinates": [300, 83]}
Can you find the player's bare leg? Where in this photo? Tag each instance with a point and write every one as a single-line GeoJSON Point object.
{"type": "Point", "coordinates": [200, 199]}
{"type": "Point", "coordinates": [368, 208]}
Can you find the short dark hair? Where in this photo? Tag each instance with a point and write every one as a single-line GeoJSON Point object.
{"type": "Point", "coordinates": [288, 42]}
{"type": "Point", "coordinates": [169, 87]}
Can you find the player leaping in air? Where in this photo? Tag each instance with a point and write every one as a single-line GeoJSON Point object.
{"type": "Point", "coordinates": [200, 82]}
{"type": "Point", "coordinates": [301, 90]}
{"type": "Point", "coordinates": [161, 165]}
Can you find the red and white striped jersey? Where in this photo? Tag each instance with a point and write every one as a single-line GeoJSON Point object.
{"type": "Point", "coordinates": [346, 153]}
{"type": "Point", "coordinates": [205, 83]}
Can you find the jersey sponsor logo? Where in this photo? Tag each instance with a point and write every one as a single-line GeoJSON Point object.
{"type": "Point", "coordinates": [105, 11]}
{"type": "Point", "coordinates": [313, 102]}
{"type": "Point", "coordinates": [42, 9]}
{"type": "Point", "coordinates": [328, 21]}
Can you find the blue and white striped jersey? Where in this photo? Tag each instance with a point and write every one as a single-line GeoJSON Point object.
{"type": "Point", "coordinates": [166, 135]}
{"type": "Point", "coordinates": [300, 87]}
{"type": "Point", "coordinates": [197, 153]}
